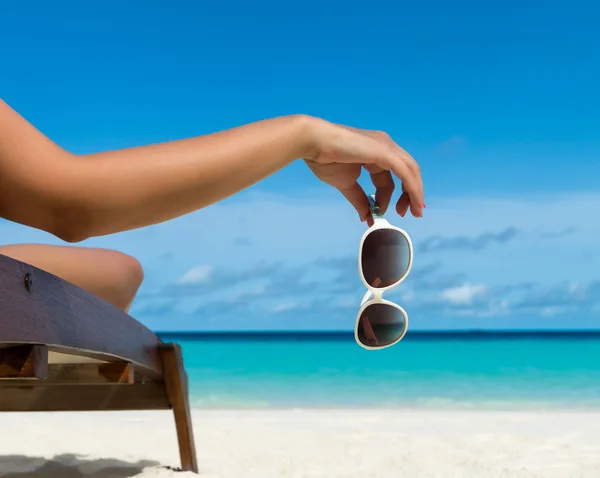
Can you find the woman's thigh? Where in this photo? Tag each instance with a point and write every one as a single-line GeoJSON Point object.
{"type": "Point", "coordinates": [110, 275]}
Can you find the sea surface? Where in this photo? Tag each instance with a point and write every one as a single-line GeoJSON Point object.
{"type": "Point", "coordinates": [524, 370]}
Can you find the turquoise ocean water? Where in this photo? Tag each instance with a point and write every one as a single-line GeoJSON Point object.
{"type": "Point", "coordinates": [454, 370]}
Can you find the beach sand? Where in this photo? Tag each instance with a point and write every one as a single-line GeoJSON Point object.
{"type": "Point", "coordinates": [310, 443]}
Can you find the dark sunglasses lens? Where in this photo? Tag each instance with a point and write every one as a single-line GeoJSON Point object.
{"type": "Point", "coordinates": [384, 257]}
{"type": "Point", "coordinates": [381, 325]}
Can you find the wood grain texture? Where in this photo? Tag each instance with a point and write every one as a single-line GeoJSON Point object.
{"type": "Point", "coordinates": [42, 397]}
{"type": "Point", "coordinates": [24, 361]}
{"type": "Point", "coordinates": [39, 313]}
{"type": "Point", "coordinates": [87, 374]}
{"type": "Point", "coordinates": [61, 315]}
{"type": "Point", "coordinates": [117, 372]}
{"type": "Point", "coordinates": [177, 392]}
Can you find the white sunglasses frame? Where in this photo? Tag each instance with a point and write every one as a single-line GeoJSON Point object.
{"type": "Point", "coordinates": [374, 295]}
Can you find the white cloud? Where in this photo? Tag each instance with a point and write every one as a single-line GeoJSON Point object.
{"type": "Point", "coordinates": [464, 294]}
{"type": "Point", "coordinates": [552, 311]}
{"type": "Point", "coordinates": [407, 296]}
{"type": "Point", "coordinates": [283, 307]}
{"type": "Point", "coordinates": [349, 301]}
{"type": "Point", "coordinates": [197, 275]}
{"type": "Point", "coordinates": [321, 226]}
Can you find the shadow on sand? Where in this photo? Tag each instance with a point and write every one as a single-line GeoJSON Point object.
{"type": "Point", "coordinates": [69, 466]}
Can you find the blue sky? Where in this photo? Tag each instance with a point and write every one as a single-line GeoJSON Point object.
{"type": "Point", "coordinates": [498, 102]}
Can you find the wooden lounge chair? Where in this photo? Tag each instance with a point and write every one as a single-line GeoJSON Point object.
{"type": "Point", "coordinates": [64, 349]}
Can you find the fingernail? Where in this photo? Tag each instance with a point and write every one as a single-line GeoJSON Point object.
{"type": "Point", "coordinates": [402, 214]}
{"type": "Point", "coordinates": [424, 206]}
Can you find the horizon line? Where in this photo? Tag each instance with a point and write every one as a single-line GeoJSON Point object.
{"type": "Point", "coordinates": [581, 331]}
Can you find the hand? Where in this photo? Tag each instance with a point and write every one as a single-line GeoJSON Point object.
{"type": "Point", "coordinates": [340, 153]}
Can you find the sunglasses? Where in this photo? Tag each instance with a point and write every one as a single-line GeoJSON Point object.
{"type": "Point", "coordinates": [385, 257]}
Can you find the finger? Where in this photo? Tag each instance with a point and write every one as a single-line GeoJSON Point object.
{"type": "Point", "coordinates": [409, 182]}
{"type": "Point", "coordinates": [357, 197]}
{"type": "Point", "coordinates": [416, 206]}
{"type": "Point", "coordinates": [376, 282]}
{"type": "Point", "coordinates": [384, 185]}
{"type": "Point", "coordinates": [403, 204]}
{"type": "Point", "coordinates": [416, 202]}
{"type": "Point", "coordinates": [404, 166]}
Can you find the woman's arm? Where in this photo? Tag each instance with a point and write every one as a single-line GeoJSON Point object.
{"type": "Point", "coordinates": [76, 197]}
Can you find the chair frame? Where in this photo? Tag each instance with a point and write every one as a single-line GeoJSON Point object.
{"type": "Point", "coordinates": [64, 349]}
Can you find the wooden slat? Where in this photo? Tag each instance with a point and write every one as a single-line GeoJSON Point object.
{"type": "Point", "coordinates": [176, 383]}
{"type": "Point", "coordinates": [43, 397]}
{"type": "Point", "coordinates": [24, 361]}
{"type": "Point", "coordinates": [87, 374]}
{"type": "Point", "coordinates": [61, 315]}
{"type": "Point", "coordinates": [117, 372]}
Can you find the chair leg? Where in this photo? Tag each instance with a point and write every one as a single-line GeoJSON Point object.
{"type": "Point", "coordinates": [178, 394]}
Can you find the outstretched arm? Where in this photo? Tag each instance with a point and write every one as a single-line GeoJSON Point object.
{"type": "Point", "coordinates": [76, 197]}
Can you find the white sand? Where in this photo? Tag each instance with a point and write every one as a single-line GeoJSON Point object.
{"type": "Point", "coordinates": [294, 444]}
